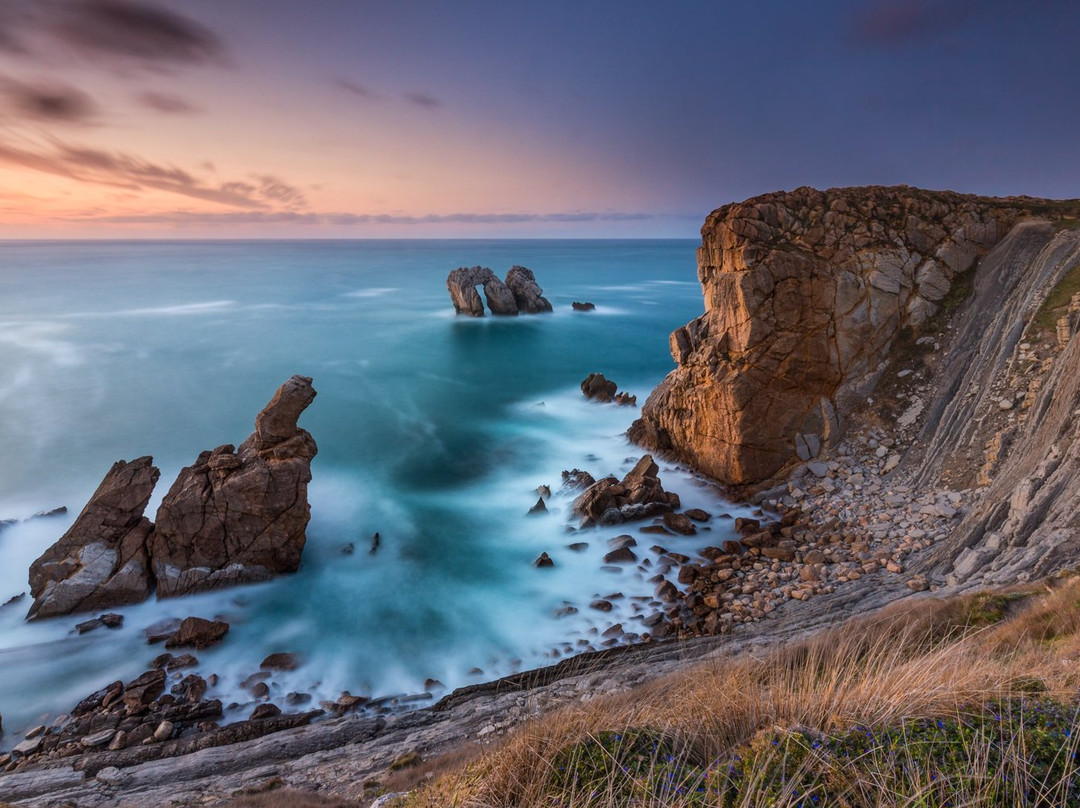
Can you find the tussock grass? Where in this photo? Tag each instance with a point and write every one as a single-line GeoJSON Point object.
{"type": "Point", "coordinates": [961, 702]}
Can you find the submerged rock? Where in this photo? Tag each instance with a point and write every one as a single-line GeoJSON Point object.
{"type": "Point", "coordinates": [239, 515]}
{"type": "Point", "coordinates": [586, 306]}
{"type": "Point", "coordinates": [101, 560]}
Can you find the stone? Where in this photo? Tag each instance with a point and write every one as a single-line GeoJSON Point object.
{"type": "Point", "coordinates": [817, 468]}
{"type": "Point", "coordinates": [586, 306]}
{"type": "Point", "coordinates": [141, 692]}
{"type": "Point", "coordinates": [601, 605]}
{"type": "Point", "coordinates": [597, 388]}
{"type": "Point", "coordinates": [461, 283]}
{"type": "Point", "coordinates": [101, 560]}
{"type": "Point", "coordinates": [198, 633]}
{"type": "Point", "coordinates": [543, 561]}
{"type": "Point", "coordinates": [264, 711]}
{"type": "Point", "coordinates": [805, 292]}
{"type": "Point", "coordinates": [239, 515]}
{"type": "Point", "coordinates": [164, 731]}
{"type": "Point", "coordinates": [623, 555]}
{"type": "Point", "coordinates": [527, 293]}
{"type": "Point", "coordinates": [161, 630]}
{"type": "Point", "coordinates": [539, 508]}
{"type": "Point", "coordinates": [97, 738]}
{"type": "Point", "coordinates": [679, 523]}
{"type": "Point", "coordinates": [666, 591]}
{"type": "Point", "coordinates": [281, 662]}
{"type": "Point", "coordinates": [576, 478]}
{"type": "Point", "coordinates": [698, 515]}
{"type": "Point", "coordinates": [27, 747]}
{"type": "Point", "coordinates": [638, 495]}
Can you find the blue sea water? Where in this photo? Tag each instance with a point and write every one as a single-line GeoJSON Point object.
{"type": "Point", "coordinates": [433, 430]}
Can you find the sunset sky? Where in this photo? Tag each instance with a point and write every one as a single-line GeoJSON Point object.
{"type": "Point", "coordinates": [344, 118]}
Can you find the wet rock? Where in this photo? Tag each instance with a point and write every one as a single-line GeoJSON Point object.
{"type": "Point", "coordinates": [88, 625]}
{"type": "Point", "coordinates": [281, 662]}
{"type": "Point", "coordinates": [142, 691]}
{"type": "Point", "coordinates": [161, 630]}
{"type": "Point", "coordinates": [538, 508]}
{"type": "Point", "coordinates": [601, 605]}
{"type": "Point", "coordinates": [264, 711]}
{"type": "Point", "coordinates": [576, 478]}
{"type": "Point", "coordinates": [638, 495]}
{"type": "Point", "coordinates": [101, 560]}
{"type": "Point", "coordinates": [197, 633]}
{"type": "Point", "coordinates": [461, 283]}
{"type": "Point", "coordinates": [679, 523]}
{"type": "Point", "coordinates": [578, 546]}
{"type": "Point", "coordinates": [698, 515]}
{"type": "Point", "coordinates": [623, 555]}
{"type": "Point", "coordinates": [544, 561]}
{"type": "Point", "coordinates": [111, 620]}
{"type": "Point", "coordinates": [585, 306]}
{"type": "Point", "coordinates": [60, 511]}
{"type": "Point", "coordinates": [239, 515]}
{"type": "Point", "coordinates": [527, 293]}
{"type": "Point", "coordinates": [597, 388]}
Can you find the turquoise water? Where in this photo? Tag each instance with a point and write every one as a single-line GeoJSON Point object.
{"type": "Point", "coordinates": [434, 430]}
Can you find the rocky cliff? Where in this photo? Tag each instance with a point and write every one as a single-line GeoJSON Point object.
{"type": "Point", "coordinates": [805, 294]}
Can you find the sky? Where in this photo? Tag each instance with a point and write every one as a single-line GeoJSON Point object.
{"type": "Point", "coordinates": [410, 119]}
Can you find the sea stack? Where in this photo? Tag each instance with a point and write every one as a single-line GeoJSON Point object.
{"type": "Point", "coordinates": [239, 515]}
{"type": "Point", "coordinates": [101, 560]}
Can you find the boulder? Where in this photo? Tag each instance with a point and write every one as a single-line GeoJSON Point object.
{"type": "Point", "coordinates": [597, 388]}
{"type": "Point", "coordinates": [528, 295]}
{"type": "Point", "coordinates": [101, 560]}
{"type": "Point", "coordinates": [637, 496]}
{"type": "Point", "coordinates": [461, 283]}
{"type": "Point", "coordinates": [281, 661]}
{"type": "Point", "coordinates": [239, 515]}
{"type": "Point", "coordinates": [197, 633]}
{"type": "Point", "coordinates": [586, 306]}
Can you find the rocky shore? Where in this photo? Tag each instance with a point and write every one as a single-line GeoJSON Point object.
{"type": "Point", "coordinates": [889, 376]}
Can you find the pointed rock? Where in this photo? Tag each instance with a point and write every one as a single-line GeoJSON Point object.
{"type": "Point", "coordinates": [239, 515]}
{"type": "Point", "coordinates": [101, 560]}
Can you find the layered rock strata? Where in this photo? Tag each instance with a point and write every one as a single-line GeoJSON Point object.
{"type": "Point", "coordinates": [235, 516]}
{"type": "Point", "coordinates": [805, 292]}
{"type": "Point", "coordinates": [101, 561]}
{"type": "Point", "coordinates": [520, 292]}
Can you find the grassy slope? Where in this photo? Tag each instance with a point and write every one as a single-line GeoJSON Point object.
{"type": "Point", "coordinates": [965, 702]}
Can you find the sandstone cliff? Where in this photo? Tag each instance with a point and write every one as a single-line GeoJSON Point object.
{"type": "Point", "coordinates": [805, 293]}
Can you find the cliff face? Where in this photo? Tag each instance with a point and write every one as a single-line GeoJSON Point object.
{"type": "Point", "coordinates": [805, 293]}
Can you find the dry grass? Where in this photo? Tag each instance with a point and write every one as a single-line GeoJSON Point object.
{"type": "Point", "coordinates": [914, 680]}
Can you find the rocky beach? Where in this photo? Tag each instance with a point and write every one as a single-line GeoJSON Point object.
{"type": "Point", "coordinates": [912, 461]}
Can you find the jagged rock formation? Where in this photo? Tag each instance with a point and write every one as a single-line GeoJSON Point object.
{"type": "Point", "coordinates": [597, 387]}
{"type": "Point", "coordinates": [238, 516]}
{"type": "Point", "coordinates": [638, 495]}
{"type": "Point", "coordinates": [527, 292]}
{"type": "Point", "coordinates": [805, 292]}
{"type": "Point", "coordinates": [101, 560]}
{"type": "Point", "coordinates": [520, 293]}
{"type": "Point", "coordinates": [1023, 458]}
{"type": "Point", "coordinates": [235, 516]}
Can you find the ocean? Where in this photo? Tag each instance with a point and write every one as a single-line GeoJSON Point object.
{"type": "Point", "coordinates": [433, 430]}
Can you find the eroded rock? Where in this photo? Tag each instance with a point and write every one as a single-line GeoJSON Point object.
{"type": "Point", "coordinates": [637, 496]}
{"type": "Point", "coordinates": [528, 295]}
{"type": "Point", "coordinates": [101, 560]}
{"type": "Point", "coordinates": [239, 515]}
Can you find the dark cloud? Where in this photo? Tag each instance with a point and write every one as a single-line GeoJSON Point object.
{"type": "Point", "coordinates": [136, 31]}
{"type": "Point", "coordinates": [49, 103]}
{"type": "Point", "coordinates": [423, 100]}
{"type": "Point", "coordinates": [119, 170]}
{"type": "Point", "coordinates": [164, 102]}
{"type": "Point", "coordinates": [359, 90]}
{"type": "Point", "coordinates": [891, 22]}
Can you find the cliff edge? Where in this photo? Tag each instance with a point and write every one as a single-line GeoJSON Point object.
{"type": "Point", "coordinates": [805, 293]}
